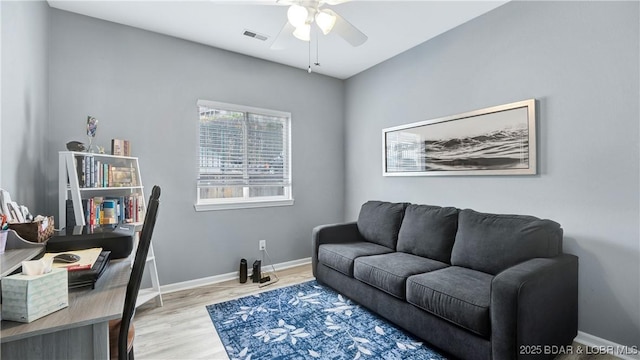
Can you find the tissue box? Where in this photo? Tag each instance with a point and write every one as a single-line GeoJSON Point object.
{"type": "Point", "coordinates": [29, 297]}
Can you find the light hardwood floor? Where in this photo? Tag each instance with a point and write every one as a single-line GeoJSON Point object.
{"type": "Point", "coordinates": [182, 329]}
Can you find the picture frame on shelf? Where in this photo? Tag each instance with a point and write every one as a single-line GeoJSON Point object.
{"type": "Point", "coordinates": [499, 140]}
{"type": "Point", "coordinates": [123, 176]}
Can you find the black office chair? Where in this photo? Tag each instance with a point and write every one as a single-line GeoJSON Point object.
{"type": "Point", "coordinates": [121, 331]}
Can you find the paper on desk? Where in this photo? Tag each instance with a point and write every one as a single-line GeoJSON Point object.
{"type": "Point", "coordinates": [87, 258]}
{"type": "Point", "coordinates": [37, 267]}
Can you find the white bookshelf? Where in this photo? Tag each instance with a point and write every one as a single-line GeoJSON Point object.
{"type": "Point", "coordinates": [72, 185]}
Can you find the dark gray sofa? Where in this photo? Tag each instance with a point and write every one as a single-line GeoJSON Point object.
{"type": "Point", "coordinates": [474, 285]}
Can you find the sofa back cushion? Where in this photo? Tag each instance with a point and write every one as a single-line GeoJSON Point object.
{"type": "Point", "coordinates": [428, 231]}
{"type": "Point", "coordinates": [379, 222]}
{"type": "Point", "coordinates": [491, 243]}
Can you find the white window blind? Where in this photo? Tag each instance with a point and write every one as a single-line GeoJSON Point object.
{"type": "Point", "coordinates": [244, 156]}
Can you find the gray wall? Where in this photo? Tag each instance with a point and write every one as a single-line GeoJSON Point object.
{"type": "Point", "coordinates": [144, 86]}
{"type": "Point", "coordinates": [580, 60]}
{"type": "Point", "coordinates": [25, 102]}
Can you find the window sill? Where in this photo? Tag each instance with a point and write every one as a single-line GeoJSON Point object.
{"type": "Point", "coordinates": [243, 205]}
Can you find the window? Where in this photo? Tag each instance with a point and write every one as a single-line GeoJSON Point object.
{"type": "Point", "coordinates": [244, 158]}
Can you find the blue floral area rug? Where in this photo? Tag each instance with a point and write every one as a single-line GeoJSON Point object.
{"type": "Point", "coordinates": [309, 321]}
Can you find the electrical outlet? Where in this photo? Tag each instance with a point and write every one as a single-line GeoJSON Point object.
{"type": "Point", "coordinates": [262, 244]}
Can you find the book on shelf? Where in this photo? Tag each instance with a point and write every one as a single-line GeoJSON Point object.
{"type": "Point", "coordinates": [92, 171]}
{"type": "Point", "coordinates": [120, 147]}
{"type": "Point", "coordinates": [105, 175]}
{"type": "Point", "coordinates": [87, 171]}
{"type": "Point", "coordinates": [140, 203]}
{"type": "Point", "coordinates": [97, 165]}
{"type": "Point", "coordinates": [80, 170]}
{"type": "Point", "coordinates": [127, 148]}
{"type": "Point", "coordinates": [117, 147]}
{"type": "Point", "coordinates": [109, 212]}
{"type": "Point", "coordinates": [69, 218]}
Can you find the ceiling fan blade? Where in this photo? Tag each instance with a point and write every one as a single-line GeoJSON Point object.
{"type": "Point", "coordinates": [333, 2]}
{"type": "Point", "coordinates": [347, 31]}
{"type": "Point", "coordinates": [250, 2]}
{"type": "Point", "coordinates": [284, 38]}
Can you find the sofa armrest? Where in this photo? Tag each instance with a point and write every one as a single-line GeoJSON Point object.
{"type": "Point", "coordinates": [534, 306]}
{"type": "Point", "coordinates": [331, 234]}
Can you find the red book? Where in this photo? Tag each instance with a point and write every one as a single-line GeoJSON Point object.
{"type": "Point", "coordinates": [78, 267]}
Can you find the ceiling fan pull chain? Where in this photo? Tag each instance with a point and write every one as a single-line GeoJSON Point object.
{"type": "Point", "coordinates": [317, 63]}
{"type": "Point", "coordinates": [309, 69]}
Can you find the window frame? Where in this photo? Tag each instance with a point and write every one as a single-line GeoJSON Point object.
{"type": "Point", "coordinates": [246, 202]}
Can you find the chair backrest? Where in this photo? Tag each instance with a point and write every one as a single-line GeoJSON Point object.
{"type": "Point", "coordinates": [138, 269]}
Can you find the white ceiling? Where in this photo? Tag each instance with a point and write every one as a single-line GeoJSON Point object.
{"type": "Point", "coordinates": [392, 27]}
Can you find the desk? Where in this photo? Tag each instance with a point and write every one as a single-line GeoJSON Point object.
{"type": "Point", "coordinates": [80, 331]}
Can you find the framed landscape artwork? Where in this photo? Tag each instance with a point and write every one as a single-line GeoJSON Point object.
{"type": "Point", "coordinates": [500, 140]}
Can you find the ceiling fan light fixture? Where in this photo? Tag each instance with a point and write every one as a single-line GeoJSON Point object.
{"type": "Point", "coordinates": [303, 32]}
{"type": "Point", "coordinates": [297, 15]}
{"type": "Point", "coordinates": [325, 21]}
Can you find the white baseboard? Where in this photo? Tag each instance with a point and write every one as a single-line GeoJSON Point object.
{"type": "Point", "coordinates": [186, 285]}
{"type": "Point", "coordinates": [603, 346]}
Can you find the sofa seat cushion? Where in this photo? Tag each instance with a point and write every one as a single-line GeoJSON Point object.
{"type": "Point", "coordinates": [389, 272]}
{"type": "Point", "coordinates": [456, 294]}
{"type": "Point", "coordinates": [340, 257]}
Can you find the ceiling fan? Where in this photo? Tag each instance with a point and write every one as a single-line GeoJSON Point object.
{"type": "Point", "coordinates": [302, 14]}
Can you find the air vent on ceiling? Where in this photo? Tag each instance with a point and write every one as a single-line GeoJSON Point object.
{"type": "Point", "coordinates": [255, 35]}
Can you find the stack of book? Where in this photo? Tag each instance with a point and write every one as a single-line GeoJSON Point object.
{"type": "Point", "coordinates": [106, 210]}
{"type": "Point", "coordinates": [93, 173]}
